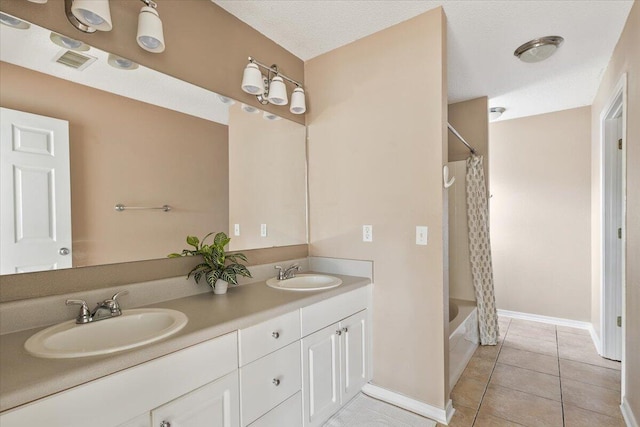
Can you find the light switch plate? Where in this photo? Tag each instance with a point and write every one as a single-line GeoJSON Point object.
{"type": "Point", "coordinates": [367, 233]}
{"type": "Point", "coordinates": [422, 234]}
{"type": "Point", "coordinates": [263, 230]}
{"type": "Point", "coordinates": [236, 229]}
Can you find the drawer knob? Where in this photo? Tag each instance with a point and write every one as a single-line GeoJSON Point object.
{"type": "Point", "coordinates": [276, 382]}
{"type": "Point", "coordinates": [165, 424]}
{"type": "Point", "coordinates": [339, 332]}
{"type": "Point", "coordinates": [276, 335]}
{"type": "Point", "coordinates": [345, 330]}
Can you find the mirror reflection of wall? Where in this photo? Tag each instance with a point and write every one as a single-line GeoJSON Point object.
{"type": "Point", "coordinates": [126, 151]}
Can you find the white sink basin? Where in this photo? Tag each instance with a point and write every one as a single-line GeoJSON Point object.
{"type": "Point", "coordinates": [305, 282]}
{"type": "Point", "coordinates": [131, 329]}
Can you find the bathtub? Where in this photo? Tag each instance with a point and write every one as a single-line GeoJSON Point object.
{"type": "Point", "coordinates": [463, 340]}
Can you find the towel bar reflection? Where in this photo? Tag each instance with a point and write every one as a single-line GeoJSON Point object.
{"type": "Point", "coordinates": [120, 207]}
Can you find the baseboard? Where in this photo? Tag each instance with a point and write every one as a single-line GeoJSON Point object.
{"type": "Point", "coordinates": [627, 413]}
{"type": "Point", "coordinates": [438, 414]}
{"type": "Point", "coordinates": [556, 321]}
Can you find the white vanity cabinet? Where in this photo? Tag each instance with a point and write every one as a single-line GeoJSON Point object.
{"type": "Point", "coordinates": [178, 380]}
{"type": "Point", "coordinates": [336, 358]}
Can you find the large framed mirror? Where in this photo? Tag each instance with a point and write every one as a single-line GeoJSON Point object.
{"type": "Point", "coordinates": [136, 139]}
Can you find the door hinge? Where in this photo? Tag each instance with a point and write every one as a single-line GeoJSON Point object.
{"type": "Point", "coordinates": [619, 321]}
{"type": "Point", "coordinates": [620, 144]}
{"type": "Point", "coordinates": [619, 233]}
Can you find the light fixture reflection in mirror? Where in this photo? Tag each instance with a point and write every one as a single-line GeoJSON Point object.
{"type": "Point", "coordinates": [33, 49]}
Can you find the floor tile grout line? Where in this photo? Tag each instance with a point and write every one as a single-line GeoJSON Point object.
{"type": "Point", "coordinates": [560, 379]}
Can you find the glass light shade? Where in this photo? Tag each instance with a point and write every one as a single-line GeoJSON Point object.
{"type": "Point", "coordinates": [150, 35]}
{"type": "Point", "coordinates": [496, 112]}
{"type": "Point", "coordinates": [38, 1]}
{"type": "Point", "coordinates": [537, 54]}
{"type": "Point", "coordinates": [252, 80]}
{"type": "Point", "coordinates": [68, 43]}
{"type": "Point", "coordinates": [121, 63]}
{"type": "Point", "coordinates": [277, 92]}
{"type": "Point", "coordinates": [298, 105]}
{"type": "Point", "coordinates": [93, 13]}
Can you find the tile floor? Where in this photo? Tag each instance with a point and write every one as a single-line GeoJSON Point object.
{"type": "Point", "coordinates": [538, 375]}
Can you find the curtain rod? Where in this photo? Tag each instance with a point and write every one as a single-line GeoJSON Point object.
{"type": "Point", "coordinates": [455, 132]}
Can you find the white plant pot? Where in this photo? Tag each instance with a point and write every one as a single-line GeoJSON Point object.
{"type": "Point", "coordinates": [220, 287]}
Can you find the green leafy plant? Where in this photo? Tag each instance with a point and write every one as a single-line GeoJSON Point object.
{"type": "Point", "coordinates": [217, 264]}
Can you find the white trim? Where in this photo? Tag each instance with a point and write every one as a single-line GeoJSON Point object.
{"type": "Point", "coordinates": [616, 104]}
{"type": "Point", "coordinates": [555, 321]}
{"type": "Point", "coordinates": [433, 412]}
{"type": "Point", "coordinates": [627, 413]}
{"type": "Point", "coordinates": [546, 319]}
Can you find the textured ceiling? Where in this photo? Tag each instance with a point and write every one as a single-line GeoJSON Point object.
{"type": "Point", "coordinates": [482, 36]}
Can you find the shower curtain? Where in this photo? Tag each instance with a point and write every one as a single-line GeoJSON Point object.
{"type": "Point", "coordinates": [480, 251]}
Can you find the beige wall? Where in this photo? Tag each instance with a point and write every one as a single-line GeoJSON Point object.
{"type": "Point", "coordinates": [540, 217]}
{"type": "Point", "coordinates": [625, 59]}
{"type": "Point", "coordinates": [376, 151]}
{"type": "Point", "coordinates": [267, 180]}
{"type": "Point", "coordinates": [115, 160]}
{"type": "Point", "coordinates": [471, 120]}
{"type": "Point", "coordinates": [206, 45]}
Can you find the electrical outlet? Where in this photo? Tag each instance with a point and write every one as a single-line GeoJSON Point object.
{"type": "Point", "coordinates": [367, 233]}
{"type": "Point", "coordinates": [236, 229]}
{"type": "Point", "coordinates": [422, 233]}
{"type": "Point", "coordinates": [263, 230]}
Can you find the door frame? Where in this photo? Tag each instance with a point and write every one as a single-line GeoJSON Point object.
{"type": "Point", "coordinates": [615, 107]}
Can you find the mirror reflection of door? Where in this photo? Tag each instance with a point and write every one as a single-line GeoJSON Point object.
{"type": "Point", "coordinates": [35, 205]}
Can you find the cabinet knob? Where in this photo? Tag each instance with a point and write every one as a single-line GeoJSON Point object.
{"type": "Point", "coordinates": [339, 332]}
{"type": "Point", "coordinates": [276, 382]}
{"type": "Point", "coordinates": [165, 424]}
{"type": "Point", "coordinates": [345, 330]}
{"type": "Point", "coordinates": [276, 335]}
{"type": "Point", "coordinates": [64, 251]}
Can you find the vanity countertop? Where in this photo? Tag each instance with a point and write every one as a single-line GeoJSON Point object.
{"type": "Point", "coordinates": [25, 378]}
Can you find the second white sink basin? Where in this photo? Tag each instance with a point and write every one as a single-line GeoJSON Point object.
{"type": "Point", "coordinates": [305, 282]}
{"type": "Point", "coordinates": [131, 329]}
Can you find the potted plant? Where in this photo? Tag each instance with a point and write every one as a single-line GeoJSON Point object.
{"type": "Point", "coordinates": [218, 267]}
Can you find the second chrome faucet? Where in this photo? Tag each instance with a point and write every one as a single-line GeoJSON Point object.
{"type": "Point", "coordinates": [287, 273]}
{"type": "Point", "coordinates": [104, 310]}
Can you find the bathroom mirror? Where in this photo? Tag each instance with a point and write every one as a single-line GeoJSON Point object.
{"type": "Point", "coordinates": [141, 139]}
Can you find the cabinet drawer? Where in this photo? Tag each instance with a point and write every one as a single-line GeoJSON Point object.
{"type": "Point", "coordinates": [286, 414]}
{"type": "Point", "coordinates": [267, 337]}
{"type": "Point", "coordinates": [269, 381]}
{"type": "Point", "coordinates": [324, 313]}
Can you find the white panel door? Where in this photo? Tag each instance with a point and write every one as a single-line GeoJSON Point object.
{"type": "Point", "coordinates": [216, 404]}
{"type": "Point", "coordinates": [321, 375]}
{"type": "Point", "coordinates": [353, 356]}
{"type": "Point", "coordinates": [35, 211]}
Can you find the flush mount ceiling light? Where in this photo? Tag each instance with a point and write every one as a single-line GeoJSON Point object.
{"type": "Point", "coordinates": [496, 112]}
{"type": "Point", "coordinates": [538, 49]}
{"type": "Point", "coordinates": [12, 22]}
{"type": "Point", "coordinates": [68, 43]}
{"type": "Point", "coordinates": [271, 89]}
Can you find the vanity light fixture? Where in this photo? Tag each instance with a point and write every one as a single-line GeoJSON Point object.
{"type": "Point", "coordinates": [249, 109]}
{"type": "Point", "coordinates": [496, 112]}
{"type": "Point", "coordinates": [12, 22]}
{"type": "Point", "coordinates": [270, 116]}
{"type": "Point", "coordinates": [94, 14]}
{"type": "Point", "coordinates": [90, 16]}
{"type": "Point", "coordinates": [150, 35]}
{"type": "Point", "coordinates": [538, 49]}
{"type": "Point", "coordinates": [226, 100]}
{"type": "Point", "coordinates": [271, 89]}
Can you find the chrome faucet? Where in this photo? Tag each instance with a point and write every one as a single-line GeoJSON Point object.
{"type": "Point", "coordinates": [104, 310]}
{"type": "Point", "coordinates": [288, 272]}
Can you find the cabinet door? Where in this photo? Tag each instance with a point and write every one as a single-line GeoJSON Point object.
{"type": "Point", "coordinates": [321, 375]}
{"type": "Point", "coordinates": [213, 405]}
{"type": "Point", "coordinates": [354, 355]}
